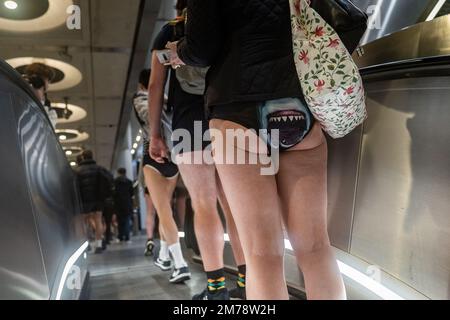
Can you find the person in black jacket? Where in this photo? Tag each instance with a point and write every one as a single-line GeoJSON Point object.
{"type": "Point", "coordinates": [198, 177]}
{"type": "Point", "coordinates": [252, 84]}
{"type": "Point", "coordinates": [123, 200]}
{"type": "Point", "coordinates": [95, 186]}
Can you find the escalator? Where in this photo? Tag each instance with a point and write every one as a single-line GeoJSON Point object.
{"type": "Point", "coordinates": [41, 234]}
{"type": "Point", "coordinates": [388, 180]}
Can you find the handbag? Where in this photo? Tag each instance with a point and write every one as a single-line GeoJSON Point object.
{"type": "Point", "coordinates": [330, 80]}
{"type": "Point", "coordinates": [349, 22]}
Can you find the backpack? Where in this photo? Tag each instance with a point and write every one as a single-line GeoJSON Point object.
{"type": "Point", "coordinates": [192, 79]}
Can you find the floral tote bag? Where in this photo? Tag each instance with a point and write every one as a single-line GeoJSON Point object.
{"type": "Point", "coordinates": [330, 79]}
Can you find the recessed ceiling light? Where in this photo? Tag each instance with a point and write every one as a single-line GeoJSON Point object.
{"type": "Point", "coordinates": [69, 152]}
{"type": "Point", "coordinates": [73, 164]}
{"type": "Point", "coordinates": [135, 145]}
{"type": "Point", "coordinates": [11, 5]}
{"type": "Point", "coordinates": [133, 151]}
{"type": "Point", "coordinates": [62, 137]}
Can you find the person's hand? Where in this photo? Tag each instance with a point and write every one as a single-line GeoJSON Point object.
{"type": "Point", "coordinates": [158, 150]}
{"type": "Point", "coordinates": [175, 61]}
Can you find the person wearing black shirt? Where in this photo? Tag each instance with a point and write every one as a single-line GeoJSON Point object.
{"type": "Point", "coordinates": [199, 177]}
{"type": "Point", "coordinates": [247, 45]}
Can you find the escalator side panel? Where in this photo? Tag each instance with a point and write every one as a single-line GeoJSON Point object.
{"type": "Point", "coordinates": [402, 204]}
{"type": "Point", "coordinates": [22, 272]}
{"type": "Point", "coordinates": [343, 157]}
{"type": "Point", "coordinates": [51, 185]}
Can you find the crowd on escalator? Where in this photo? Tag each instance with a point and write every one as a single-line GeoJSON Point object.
{"type": "Point", "coordinates": [252, 69]}
{"type": "Point", "coordinates": [230, 66]}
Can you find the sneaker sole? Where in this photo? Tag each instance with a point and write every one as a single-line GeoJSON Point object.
{"type": "Point", "coordinates": [180, 278]}
{"type": "Point", "coordinates": [163, 268]}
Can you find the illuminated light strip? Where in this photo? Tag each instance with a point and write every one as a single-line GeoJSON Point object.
{"type": "Point", "coordinates": [368, 282]}
{"type": "Point", "coordinates": [68, 266]}
{"type": "Point", "coordinates": [351, 273]}
{"type": "Point", "coordinates": [436, 10]}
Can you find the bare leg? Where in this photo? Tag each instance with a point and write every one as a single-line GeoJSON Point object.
{"type": "Point", "coordinates": [150, 221]}
{"type": "Point", "coordinates": [98, 225]}
{"type": "Point", "coordinates": [161, 191]}
{"type": "Point", "coordinates": [238, 254]}
{"type": "Point", "coordinates": [181, 209]}
{"type": "Point", "coordinates": [302, 183]}
{"type": "Point", "coordinates": [200, 180]}
{"type": "Point", "coordinates": [254, 203]}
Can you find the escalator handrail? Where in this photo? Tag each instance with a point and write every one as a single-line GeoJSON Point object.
{"type": "Point", "coordinates": [406, 64]}
{"type": "Point", "coordinates": [17, 79]}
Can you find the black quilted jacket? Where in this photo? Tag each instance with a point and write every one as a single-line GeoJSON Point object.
{"type": "Point", "coordinates": [247, 43]}
{"type": "Point", "coordinates": [94, 182]}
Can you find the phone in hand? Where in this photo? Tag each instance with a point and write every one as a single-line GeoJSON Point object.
{"type": "Point", "coordinates": [163, 56]}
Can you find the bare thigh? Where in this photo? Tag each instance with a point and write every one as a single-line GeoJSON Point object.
{"type": "Point", "coordinates": [302, 185]}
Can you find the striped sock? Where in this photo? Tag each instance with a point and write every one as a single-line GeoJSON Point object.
{"type": "Point", "coordinates": [241, 276]}
{"type": "Point", "coordinates": [216, 280]}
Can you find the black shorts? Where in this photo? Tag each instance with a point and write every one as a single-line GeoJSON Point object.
{"type": "Point", "coordinates": [167, 169]}
{"type": "Point", "coordinates": [191, 120]}
{"type": "Point", "coordinates": [92, 207]}
{"type": "Point", "coordinates": [290, 116]}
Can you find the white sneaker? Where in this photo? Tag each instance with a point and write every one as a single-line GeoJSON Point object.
{"type": "Point", "coordinates": [164, 265]}
{"type": "Point", "coordinates": [180, 275]}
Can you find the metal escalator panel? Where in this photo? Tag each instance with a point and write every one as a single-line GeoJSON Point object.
{"type": "Point", "coordinates": [424, 41]}
{"type": "Point", "coordinates": [389, 16]}
{"type": "Point", "coordinates": [400, 219]}
{"type": "Point", "coordinates": [42, 222]}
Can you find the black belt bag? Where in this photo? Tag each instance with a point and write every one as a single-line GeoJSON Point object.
{"type": "Point", "coordinates": [346, 18]}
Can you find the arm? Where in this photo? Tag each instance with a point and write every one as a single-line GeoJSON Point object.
{"type": "Point", "coordinates": [203, 38]}
{"type": "Point", "coordinates": [158, 149]}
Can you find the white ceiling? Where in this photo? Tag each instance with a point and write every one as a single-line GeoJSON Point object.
{"type": "Point", "coordinates": [102, 56]}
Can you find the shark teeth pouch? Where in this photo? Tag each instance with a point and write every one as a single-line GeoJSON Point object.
{"type": "Point", "coordinates": [290, 116]}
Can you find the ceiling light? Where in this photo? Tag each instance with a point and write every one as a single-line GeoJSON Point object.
{"type": "Point", "coordinates": [69, 152]}
{"type": "Point", "coordinates": [73, 164]}
{"type": "Point", "coordinates": [62, 137]}
{"type": "Point", "coordinates": [133, 151]}
{"type": "Point", "coordinates": [135, 145]}
{"type": "Point", "coordinates": [138, 138]}
{"type": "Point", "coordinates": [12, 5]}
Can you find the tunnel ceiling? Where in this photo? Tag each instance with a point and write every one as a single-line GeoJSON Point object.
{"type": "Point", "coordinates": [100, 50]}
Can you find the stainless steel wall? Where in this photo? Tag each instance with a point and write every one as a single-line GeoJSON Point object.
{"type": "Point", "coordinates": [402, 206]}
{"type": "Point", "coordinates": [39, 207]}
{"type": "Point", "coordinates": [388, 16]}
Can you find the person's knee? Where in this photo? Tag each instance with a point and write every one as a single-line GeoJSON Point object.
{"type": "Point", "coordinates": [205, 205]}
{"type": "Point", "coordinates": [272, 260]}
{"type": "Point", "coordinates": [310, 251]}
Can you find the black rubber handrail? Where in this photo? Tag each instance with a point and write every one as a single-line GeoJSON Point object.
{"type": "Point", "coordinates": [17, 79]}
{"type": "Point", "coordinates": [406, 64]}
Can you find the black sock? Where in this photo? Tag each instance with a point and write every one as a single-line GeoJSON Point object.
{"type": "Point", "coordinates": [241, 276]}
{"type": "Point", "coordinates": [216, 280]}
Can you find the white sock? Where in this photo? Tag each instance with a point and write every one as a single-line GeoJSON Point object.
{"type": "Point", "coordinates": [98, 243]}
{"type": "Point", "coordinates": [175, 250]}
{"type": "Point", "coordinates": [164, 251]}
